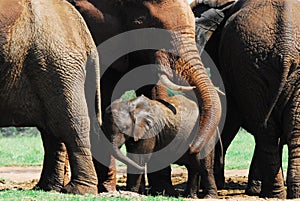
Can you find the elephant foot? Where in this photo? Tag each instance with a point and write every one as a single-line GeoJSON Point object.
{"type": "Point", "coordinates": [189, 194]}
{"type": "Point", "coordinates": [220, 184]}
{"type": "Point", "coordinates": [210, 194]}
{"type": "Point", "coordinates": [293, 191]}
{"type": "Point", "coordinates": [170, 191]}
{"type": "Point", "coordinates": [47, 186]}
{"type": "Point", "coordinates": [107, 176]}
{"type": "Point", "coordinates": [279, 194]}
{"type": "Point", "coordinates": [108, 184]}
{"type": "Point", "coordinates": [253, 188]}
{"type": "Point", "coordinates": [219, 179]}
{"type": "Point", "coordinates": [134, 189]}
{"type": "Point", "coordinates": [81, 189]}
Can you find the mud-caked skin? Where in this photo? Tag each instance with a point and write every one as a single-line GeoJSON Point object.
{"type": "Point", "coordinates": [256, 50]}
{"type": "Point", "coordinates": [146, 126]}
{"type": "Point", "coordinates": [44, 47]}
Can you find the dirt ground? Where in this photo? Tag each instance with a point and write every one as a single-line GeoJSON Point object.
{"type": "Point", "coordinates": [27, 177]}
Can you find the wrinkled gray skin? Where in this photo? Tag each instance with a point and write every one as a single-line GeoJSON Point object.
{"type": "Point", "coordinates": [107, 18]}
{"type": "Point", "coordinates": [256, 49]}
{"type": "Point", "coordinates": [44, 47]}
{"type": "Point", "coordinates": [146, 126]}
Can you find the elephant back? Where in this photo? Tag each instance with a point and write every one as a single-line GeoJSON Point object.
{"type": "Point", "coordinates": [186, 116]}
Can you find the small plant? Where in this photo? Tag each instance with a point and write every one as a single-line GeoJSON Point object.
{"type": "Point", "coordinates": [128, 95]}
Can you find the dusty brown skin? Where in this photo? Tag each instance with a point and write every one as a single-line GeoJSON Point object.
{"type": "Point", "coordinates": [44, 46]}
{"type": "Point", "coordinates": [257, 52]}
{"type": "Point", "coordinates": [109, 17]}
{"type": "Point", "coordinates": [146, 126]}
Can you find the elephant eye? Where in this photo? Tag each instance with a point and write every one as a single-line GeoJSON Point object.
{"type": "Point", "coordinates": [140, 20]}
{"type": "Point", "coordinates": [125, 130]}
{"type": "Point", "coordinates": [149, 124]}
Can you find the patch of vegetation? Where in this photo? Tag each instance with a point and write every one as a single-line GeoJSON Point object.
{"type": "Point", "coordinates": [16, 195]}
{"type": "Point", "coordinates": [128, 95]}
{"type": "Point", "coordinates": [240, 152]}
{"type": "Point", "coordinates": [28, 151]}
{"type": "Point", "coordinates": [18, 131]}
{"type": "Point", "coordinates": [21, 151]}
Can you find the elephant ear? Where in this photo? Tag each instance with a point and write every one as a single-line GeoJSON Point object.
{"type": "Point", "coordinates": [198, 5]}
{"type": "Point", "coordinates": [147, 117]}
{"type": "Point", "coordinates": [209, 16]}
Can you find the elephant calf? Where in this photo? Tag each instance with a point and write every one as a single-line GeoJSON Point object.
{"type": "Point", "coordinates": [156, 131]}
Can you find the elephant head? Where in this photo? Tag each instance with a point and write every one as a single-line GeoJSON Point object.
{"type": "Point", "coordinates": [177, 18]}
{"type": "Point", "coordinates": [140, 118]}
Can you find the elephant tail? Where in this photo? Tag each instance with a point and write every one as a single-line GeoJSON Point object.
{"type": "Point", "coordinates": [286, 71]}
{"type": "Point", "coordinates": [221, 145]}
{"type": "Point", "coordinates": [93, 84]}
{"type": "Point", "coordinates": [98, 92]}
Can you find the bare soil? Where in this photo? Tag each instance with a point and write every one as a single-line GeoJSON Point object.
{"type": "Point", "coordinates": [26, 177]}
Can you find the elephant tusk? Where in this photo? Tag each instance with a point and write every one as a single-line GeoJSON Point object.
{"type": "Point", "coordinates": [165, 81]}
{"type": "Point", "coordinates": [219, 91]}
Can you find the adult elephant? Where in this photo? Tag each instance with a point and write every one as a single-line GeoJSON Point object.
{"type": "Point", "coordinates": [147, 127]}
{"type": "Point", "coordinates": [44, 48]}
{"type": "Point", "coordinates": [256, 49]}
{"type": "Point", "coordinates": [177, 19]}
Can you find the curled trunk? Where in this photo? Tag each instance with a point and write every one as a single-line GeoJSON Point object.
{"type": "Point", "coordinates": [191, 68]}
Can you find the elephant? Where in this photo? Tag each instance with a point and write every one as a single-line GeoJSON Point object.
{"type": "Point", "coordinates": [109, 18]}
{"type": "Point", "coordinates": [256, 50]}
{"type": "Point", "coordinates": [44, 49]}
{"type": "Point", "coordinates": [147, 126]}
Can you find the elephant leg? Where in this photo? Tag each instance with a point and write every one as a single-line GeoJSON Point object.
{"type": "Point", "coordinates": [74, 133]}
{"type": "Point", "coordinates": [106, 175]}
{"type": "Point", "coordinates": [52, 176]}
{"type": "Point", "coordinates": [270, 165]}
{"type": "Point", "coordinates": [83, 174]}
{"type": "Point", "coordinates": [292, 130]}
{"type": "Point", "coordinates": [160, 182]}
{"type": "Point", "coordinates": [255, 176]}
{"type": "Point", "coordinates": [67, 171]}
{"type": "Point", "coordinates": [135, 183]}
{"type": "Point", "coordinates": [192, 186]}
{"type": "Point", "coordinates": [207, 176]}
{"type": "Point", "coordinates": [230, 130]}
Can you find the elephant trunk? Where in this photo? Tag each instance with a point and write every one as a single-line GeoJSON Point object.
{"type": "Point", "coordinates": [124, 159]}
{"type": "Point", "coordinates": [190, 67]}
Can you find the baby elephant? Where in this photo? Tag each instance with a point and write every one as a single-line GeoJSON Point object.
{"type": "Point", "coordinates": [158, 132]}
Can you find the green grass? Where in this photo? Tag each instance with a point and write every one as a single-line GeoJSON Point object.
{"type": "Point", "coordinates": [18, 195]}
{"type": "Point", "coordinates": [28, 151]}
{"type": "Point", "coordinates": [21, 151]}
{"type": "Point", "coordinates": [240, 152]}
